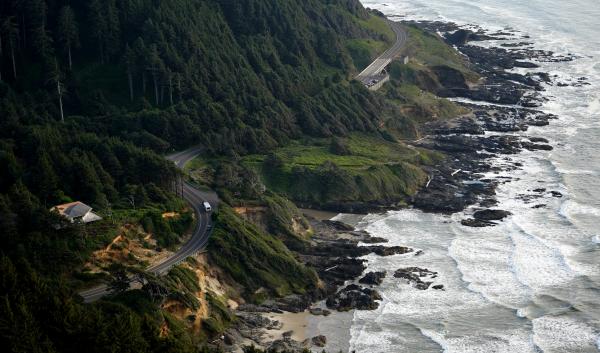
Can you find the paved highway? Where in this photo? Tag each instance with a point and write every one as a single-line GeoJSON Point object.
{"type": "Point", "coordinates": [196, 197]}
{"type": "Point", "coordinates": [373, 71]}
{"type": "Point", "coordinates": [200, 235]}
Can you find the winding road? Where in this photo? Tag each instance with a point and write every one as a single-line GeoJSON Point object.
{"type": "Point", "coordinates": [200, 235]}
{"type": "Point", "coordinates": [374, 71]}
{"type": "Point", "coordinates": [196, 198]}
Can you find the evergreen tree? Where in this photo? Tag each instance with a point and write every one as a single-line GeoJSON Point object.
{"type": "Point", "coordinates": [10, 31]}
{"type": "Point", "coordinates": [44, 178]}
{"type": "Point", "coordinates": [154, 67]}
{"type": "Point", "coordinates": [41, 40]}
{"type": "Point", "coordinates": [1, 55]}
{"type": "Point", "coordinates": [130, 63]}
{"type": "Point", "coordinates": [98, 25]}
{"type": "Point", "coordinates": [55, 79]}
{"type": "Point", "coordinates": [68, 32]}
{"type": "Point", "coordinates": [140, 52]}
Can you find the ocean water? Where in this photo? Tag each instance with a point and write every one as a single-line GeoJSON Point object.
{"type": "Point", "coordinates": [531, 284]}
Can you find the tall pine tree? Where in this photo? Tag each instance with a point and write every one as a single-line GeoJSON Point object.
{"type": "Point", "coordinates": [68, 32]}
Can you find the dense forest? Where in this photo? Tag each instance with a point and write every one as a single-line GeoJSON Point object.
{"type": "Point", "coordinates": [93, 93]}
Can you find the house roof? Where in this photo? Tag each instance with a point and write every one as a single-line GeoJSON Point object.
{"type": "Point", "coordinates": [73, 209]}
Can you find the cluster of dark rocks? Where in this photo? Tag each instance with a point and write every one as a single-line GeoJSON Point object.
{"type": "Point", "coordinates": [354, 297]}
{"type": "Point", "coordinates": [415, 276]}
{"type": "Point", "coordinates": [373, 278]}
{"type": "Point", "coordinates": [471, 141]}
{"type": "Point", "coordinates": [485, 218]}
{"type": "Point", "coordinates": [335, 254]}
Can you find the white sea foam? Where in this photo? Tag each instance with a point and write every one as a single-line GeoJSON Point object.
{"type": "Point", "coordinates": [563, 334]}
{"type": "Point", "coordinates": [571, 208]}
{"type": "Point", "coordinates": [504, 342]}
{"type": "Point", "coordinates": [437, 338]}
{"type": "Point", "coordinates": [535, 253]}
{"type": "Point", "coordinates": [537, 265]}
{"type": "Point", "coordinates": [486, 265]}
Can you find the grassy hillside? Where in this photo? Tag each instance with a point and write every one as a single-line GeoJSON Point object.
{"type": "Point", "coordinates": [421, 105]}
{"type": "Point", "coordinates": [364, 50]}
{"type": "Point", "coordinates": [331, 173]}
{"type": "Point", "coordinates": [255, 259]}
{"type": "Point", "coordinates": [429, 50]}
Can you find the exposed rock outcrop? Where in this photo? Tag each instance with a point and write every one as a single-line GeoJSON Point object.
{"type": "Point", "coordinates": [354, 297]}
{"type": "Point", "coordinates": [373, 278]}
{"type": "Point", "coordinates": [415, 275]}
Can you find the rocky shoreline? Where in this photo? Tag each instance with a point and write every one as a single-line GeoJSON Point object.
{"type": "Point", "coordinates": [335, 254]}
{"type": "Point", "coordinates": [501, 106]}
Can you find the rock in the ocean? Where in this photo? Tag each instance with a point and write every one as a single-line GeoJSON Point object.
{"type": "Point", "coordinates": [319, 341]}
{"type": "Point", "coordinates": [375, 240]}
{"type": "Point", "coordinates": [476, 223]}
{"type": "Point", "coordinates": [491, 215]}
{"type": "Point", "coordinates": [539, 140]}
{"type": "Point", "coordinates": [373, 278]}
{"type": "Point", "coordinates": [389, 251]}
{"type": "Point", "coordinates": [414, 275]}
{"type": "Point", "coordinates": [536, 146]}
{"type": "Point", "coordinates": [354, 297]}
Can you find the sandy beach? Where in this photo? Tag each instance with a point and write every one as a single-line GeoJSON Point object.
{"type": "Point", "coordinates": [297, 323]}
{"type": "Point", "coordinates": [304, 326]}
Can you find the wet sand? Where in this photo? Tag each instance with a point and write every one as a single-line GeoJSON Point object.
{"type": "Point", "coordinates": [318, 214]}
{"type": "Point", "coordinates": [295, 322]}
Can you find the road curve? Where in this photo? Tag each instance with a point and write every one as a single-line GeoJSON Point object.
{"type": "Point", "coordinates": [200, 235]}
{"type": "Point", "coordinates": [378, 65]}
{"type": "Point", "coordinates": [196, 197]}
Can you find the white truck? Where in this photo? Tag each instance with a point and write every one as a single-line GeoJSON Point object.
{"type": "Point", "coordinates": [207, 207]}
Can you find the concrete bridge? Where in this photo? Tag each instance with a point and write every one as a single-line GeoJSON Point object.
{"type": "Point", "coordinates": [375, 75]}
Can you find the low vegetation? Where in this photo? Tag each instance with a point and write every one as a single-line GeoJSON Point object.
{"type": "Point", "coordinates": [364, 50]}
{"type": "Point", "coordinates": [357, 168]}
{"type": "Point", "coordinates": [259, 262]}
{"type": "Point", "coordinates": [421, 105]}
{"type": "Point", "coordinates": [429, 50]}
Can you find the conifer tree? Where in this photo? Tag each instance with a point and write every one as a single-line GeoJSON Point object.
{"type": "Point", "coordinates": [98, 25]}
{"type": "Point", "coordinates": [55, 79]}
{"type": "Point", "coordinates": [10, 30]}
{"type": "Point", "coordinates": [68, 32]}
{"type": "Point", "coordinates": [1, 56]}
{"type": "Point", "coordinates": [154, 66]}
{"type": "Point", "coordinates": [45, 178]}
{"type": "Point", "coordinates": [139, 49]}
{"type": "Point", "coordinates": [41, 40]}
{"type": "Point", "coordinates": [130, 61]}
